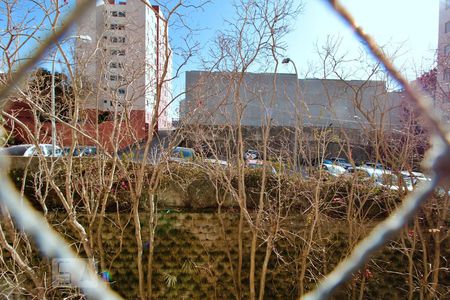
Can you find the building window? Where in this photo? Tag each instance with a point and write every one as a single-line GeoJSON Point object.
{"type": "Point", "coordinates": [116, 65]}
{"type": "Point", "coordinates": [117, 39]}
{"type": "Point", "coordinates": [447, 4]}
{"type": "Point", "coordinates": [447, 50]}
{"type": "Point", "coordinates": [119, 2]}
{"type": "Point", "coordinates": [121, 14]}
{"type": "Point", "coordinates": [118, 52]}
{"type": "Point", "coordinates": [121, 91]}
{"type": "Point", "coordinates": [447, 27]}
{"type": "Point", "coordinates": [117, 27]}
{"type": "Point", "coordinates": [447, 74]}
{"type": "Point", "coordinates": [114, 77]}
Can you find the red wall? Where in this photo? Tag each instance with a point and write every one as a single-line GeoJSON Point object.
{"type": "Point", "coordinates": [132, 129]}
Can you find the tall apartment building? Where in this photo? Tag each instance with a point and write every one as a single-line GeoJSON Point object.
{"type": "Point", "coordinates": [443, 75]}
{"type": "Point", "coordinates": [123, 65]}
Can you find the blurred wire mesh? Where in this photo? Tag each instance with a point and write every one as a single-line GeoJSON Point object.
{"type": "Point", "coordinates": [438, 160]}
{"type": "Point", "coordinates": [54, 246]}
{"type": "Point", "coordinates": [29, 220]}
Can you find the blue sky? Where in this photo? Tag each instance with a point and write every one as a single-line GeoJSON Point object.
{"type": "Point", "coordinates": [409, 24]}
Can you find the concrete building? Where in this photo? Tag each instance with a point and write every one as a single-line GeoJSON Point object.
{"type": "Point", "coordinates": [443, 74]}
{"type": "Point", "coordinates": [213, 99]}
{"type": "Point", "coordinates": [124, 64]}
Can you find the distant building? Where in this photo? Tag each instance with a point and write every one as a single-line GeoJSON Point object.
{"type": "Point", "coordinates": [123, 65]}
{"type": "Point", "coordinates": [443, 74]}
{"type": "Point", "coordinates": [284, 100]}
{"type": "Point", "coordinates": [119, 69]}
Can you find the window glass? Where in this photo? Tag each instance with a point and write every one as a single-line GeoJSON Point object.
{"type": "Point", "coordinates": [117, 52]}
{"type": "Point", "coordinates": [118, 39]}
{"type": "Point", "coordinates": [447, 74]}
{"type": "Point", "coordinates": [117, 27]}
{"type": "Point", "coordinates": [447, 50]}
{"type": "Point", "coordinates": [118, 13]}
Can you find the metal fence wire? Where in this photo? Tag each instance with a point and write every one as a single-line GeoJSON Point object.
{"type": "Point", "coordinates": [53, 245]}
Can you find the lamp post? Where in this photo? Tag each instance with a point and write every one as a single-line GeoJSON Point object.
{"type": "Point", "coordinates": [84, 38]}
{"type": "Point", "coordinates": [297, 92]}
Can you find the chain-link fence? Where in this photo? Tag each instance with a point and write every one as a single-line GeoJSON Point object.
{"type": "Point", "coordinates": [53, 246]}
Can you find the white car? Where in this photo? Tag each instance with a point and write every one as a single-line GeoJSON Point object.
{"type": "Point", "coordinates": [382, 178]}
{"type": "Point", "coordinates": [259, 164]}
{"type": "Point", "coordinates": [414, 177]}
{"type": "Point", "coordinates": [46, 149]}
{"type": "Point", "coordinates": [334, 170]}
{"type": "Point", "coordinates": [222, 163]}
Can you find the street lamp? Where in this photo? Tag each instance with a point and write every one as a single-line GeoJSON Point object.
{"type": "Point", "coordinates": [297, 92]}
{"type": "Point", "coordinates": [288, 60]}
{"type": "Point", "coordinates": [84, 38]}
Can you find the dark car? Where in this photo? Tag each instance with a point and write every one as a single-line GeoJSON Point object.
{"type": "Point", "coordinates": [375, 165]}
{"type": "Point", "coordinates": [319, 161]}
{"type": "Point", "coordinates": [252, 154]}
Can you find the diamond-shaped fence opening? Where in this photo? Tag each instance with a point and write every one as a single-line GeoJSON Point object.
{"type": "Point", "coordinates": [53, 246]}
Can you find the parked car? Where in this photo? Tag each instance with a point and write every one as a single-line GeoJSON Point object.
{"type": "Point", "coordinates": [259, 164]}
{"type": "Point", "coordinates": [18, 150]}
{"type": "Point", "coordinates": [182, 154]}
{"type": "Point", "coordinates": [222, 163]}
{"type": "Point", "coordinates": [46, 149]}
{"type": "Point", "coordinates": [319, 161]}
{"type": "Point", "coordinates": [252, 154]}
{"type": "Point", "coordinates": [341, 162]}
{"type": "Point", "coordinates": [382, 178]}
{"type": "Point", "coordinates": [81, 151]}
{"type": "Point", "coordinates": [31, 150]}
{"type": "Point", "coordinates": [375, 165]}
{"type": "Point", "coordinates": [414, 177]}
{"type": "Point", "coordinates": [333, 170]}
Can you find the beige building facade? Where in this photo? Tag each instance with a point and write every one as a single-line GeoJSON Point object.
{"type": "Point", "coordinates": [443, 75]}
{"type": "Point", "coordinates": [123, 66]}
{"type": "Point", "coordinates": [284, 100]}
